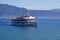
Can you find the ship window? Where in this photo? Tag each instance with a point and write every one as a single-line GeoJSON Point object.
{"type": "Point", "coordinates": [22, 20]}
{"type": "Point", "coordinates": [31, 20]}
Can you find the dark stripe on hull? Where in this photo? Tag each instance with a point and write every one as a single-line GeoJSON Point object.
{"type": "Point", "coordinates": [26, 25]}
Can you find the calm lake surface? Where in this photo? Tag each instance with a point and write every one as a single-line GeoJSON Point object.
{"type": "Point", "coordinates": [47, 29]}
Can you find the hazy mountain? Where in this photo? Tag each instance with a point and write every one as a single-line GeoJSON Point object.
{"type": "Point", "coordinates": [11, 10]}
{"type": "Point", "coordinates": [16, 11]}
{"type": "Point", "coordinates": [45, 12]}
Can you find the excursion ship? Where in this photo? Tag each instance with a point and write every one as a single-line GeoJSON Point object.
{"type": "Point", "coordinates": [25, 21]}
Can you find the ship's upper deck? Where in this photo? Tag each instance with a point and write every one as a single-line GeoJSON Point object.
{"type": "Point", "coordinates": [25, 18]}
{"type": "Point", "coordinates": [28, 17]}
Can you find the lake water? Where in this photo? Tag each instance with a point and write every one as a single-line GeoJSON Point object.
{"type": "Point", "coordinates": [47, 29]}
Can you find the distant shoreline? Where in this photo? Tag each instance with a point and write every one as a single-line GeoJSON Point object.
{"type": "Point", "coordinates": [41, 17]}
{"type": "Point", "coordinates": [48, 17]}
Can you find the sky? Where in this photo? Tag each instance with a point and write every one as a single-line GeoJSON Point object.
{"type": "Point", "coordinates": [34, 4]}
